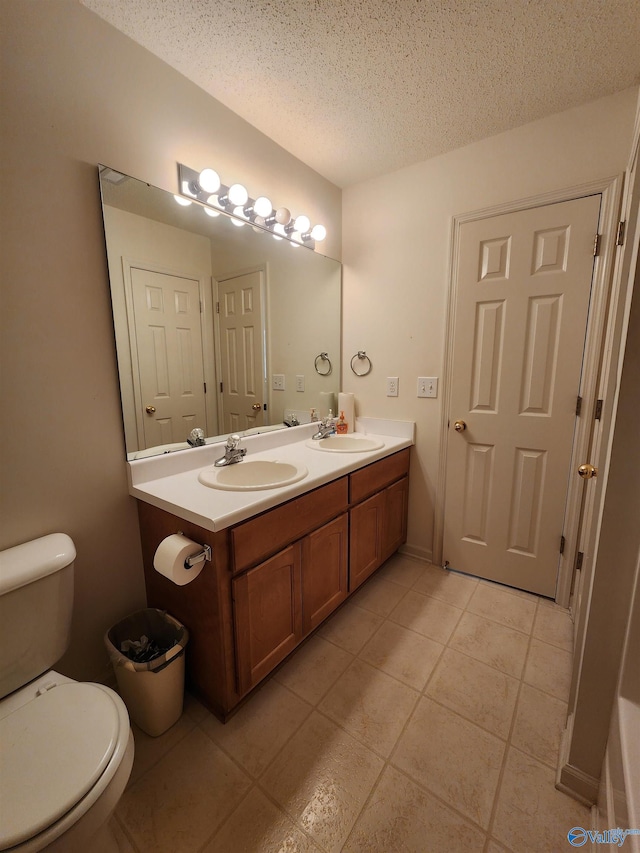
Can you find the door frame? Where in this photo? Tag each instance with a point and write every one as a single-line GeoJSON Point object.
{"type": "Point", "coordinates": [596, 331]}
{"type": "Point", "coordinates": [204, 287]}
{"type": "Point", "coordinates": [264, 349]}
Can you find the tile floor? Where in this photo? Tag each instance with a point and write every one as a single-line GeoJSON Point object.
{"type": "Point", "coordinates": [424, 716]}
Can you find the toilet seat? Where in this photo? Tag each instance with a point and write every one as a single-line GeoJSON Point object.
{"type": "Point", "coordinates": [56, 748]}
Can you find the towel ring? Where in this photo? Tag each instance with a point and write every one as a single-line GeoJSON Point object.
{"type": "Point", "coordinates": [362, 356]}
{"type": "Point", "coordinates": [323, 357]}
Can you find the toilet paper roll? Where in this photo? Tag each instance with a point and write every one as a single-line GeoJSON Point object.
{"type": "Point", "coordinates": [327, 402]}
{"type": "Point", "coordinates": [170, 556]}
{"type": "Point", "coordinates": [346, 404]}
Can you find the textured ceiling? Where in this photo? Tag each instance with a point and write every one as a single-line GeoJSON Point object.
{"type": "Point", "coordinates": [357, 88]}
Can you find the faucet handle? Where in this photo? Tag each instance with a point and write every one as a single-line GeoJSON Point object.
{"type": "Point", "coordinates": [196, 437]}
{"type": "Point", "coordinates": [233, 441]}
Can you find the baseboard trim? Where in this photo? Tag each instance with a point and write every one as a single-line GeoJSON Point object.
{"type": "Point", "coordinates": [424, 554]}
{"type": "Point", "coordinates": [571, 780]}
{"type": "Point", "coordinates": [577, 784]}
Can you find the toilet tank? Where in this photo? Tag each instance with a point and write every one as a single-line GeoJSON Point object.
{"type": "Point", "coordinates": [36, 602]}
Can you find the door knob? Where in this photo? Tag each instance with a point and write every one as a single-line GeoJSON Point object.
{"type": "Point", "coordinates": [459, 426]}
{"type": "Point", "coordinates": [150, 410]}
{"type": "Point", "coordinates": [587, 471]}
{"type": "Point", "coordinates": [256, 407]}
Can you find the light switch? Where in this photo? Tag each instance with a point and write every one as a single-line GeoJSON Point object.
{"type": "Point", "coordinates": [427, 386]}
{"type": "Point", "coordinates": [277, 381]}
{"type": "Point", "coordinates": [299, 383]}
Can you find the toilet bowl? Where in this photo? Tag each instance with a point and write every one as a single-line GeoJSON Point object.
{"type": "Point", "coordinates": [67, 747]}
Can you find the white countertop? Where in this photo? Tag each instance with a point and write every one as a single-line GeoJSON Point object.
{"type": "Point", "coordinates": [170, 481]}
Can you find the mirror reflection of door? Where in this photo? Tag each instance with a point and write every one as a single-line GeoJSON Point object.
{"type": "Point", "coordinates": [168, 351]}
{"type": "Point", "coordinates": [242, 351]}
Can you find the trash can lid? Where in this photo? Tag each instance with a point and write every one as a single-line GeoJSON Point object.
{"type": "Point", "coordinates": [54, 749]}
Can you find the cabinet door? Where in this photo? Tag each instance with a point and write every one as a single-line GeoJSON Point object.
{"type": "Point", "coordinates": [394, 525]}
{"type": "Point", "coordinates": [324, 572]}
{"type": "Point", "coordinates": [365, 546]}
{"type": "Point", "coordinates": [267, 615]}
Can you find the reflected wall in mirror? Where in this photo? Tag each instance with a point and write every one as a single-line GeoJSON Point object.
{"type": "Point", "coordinates": [217, 324]}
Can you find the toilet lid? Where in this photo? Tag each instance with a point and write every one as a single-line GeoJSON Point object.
{"type": "Point", "coordinates": [53, 751]}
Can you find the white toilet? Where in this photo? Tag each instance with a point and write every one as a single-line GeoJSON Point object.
{"type": "Point", "coordinates": [66, 747]}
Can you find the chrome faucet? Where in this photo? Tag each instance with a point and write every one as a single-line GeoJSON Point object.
{"type": "Point", "coordinates": [196, 437]}
{"type": "Point", "coordinates": [326, 427]}
{"type": "Point", "coordinates": [232, 453]}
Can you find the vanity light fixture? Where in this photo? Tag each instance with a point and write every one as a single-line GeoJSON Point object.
{"type": "Point", "coordinates": [207, 188]}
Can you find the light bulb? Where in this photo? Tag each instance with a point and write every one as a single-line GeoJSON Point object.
{"type": "Point", "coordinates": [283, 215]}
{"type": "Point", "coordinates": [211, 212]}
{"type": "Point", "coordinates": [183, 201]}
{"type": "Point", "coordinates": [296, 239]}
{"type": "Point", "coordinates": [302, 223]}
{"type": "Point", "coordinates": [259, 220]}
{"type": "Point", "coordinates": [238, 211]}
{"type": "Point", "coordinates": [209, 180]}
{"type": "Point", "coordinates": [278, 231]}
{"type": "Point", "coordinates": [318, 232]}
{"type": "Point", "coordinates": [238, 194]}
{"type": "Point", "coordinates": [262, 206]}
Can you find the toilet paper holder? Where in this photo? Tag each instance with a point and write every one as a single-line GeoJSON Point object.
{"type": "Point", "coordinates": [201, 556]}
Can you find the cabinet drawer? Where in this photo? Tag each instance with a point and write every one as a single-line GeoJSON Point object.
{"type": "Point", "coordinates": [376, 476]}
{"type": "Point", "coordinates": [254, 540]}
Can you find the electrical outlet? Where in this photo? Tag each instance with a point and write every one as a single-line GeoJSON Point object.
{"type": "Point", "coordinates": [277, 381]}
{"type": "Point", "coordinates": [392, 386]}
{"type": "Point", "coordinates": [427, 386]}
{"type": "Point", "coordinates": [299, 383]}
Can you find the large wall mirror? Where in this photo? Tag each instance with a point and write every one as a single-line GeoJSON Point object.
{"type": "Point", "coordinates": [218, 325]}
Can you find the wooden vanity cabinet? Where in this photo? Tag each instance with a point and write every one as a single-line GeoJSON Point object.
{"type": "Point", "coordinates": [267, 609]}
{"type": "Point", "coordinates": [365, 541]}
{"type": "Point", "coordinates": [324, 572]}
{"type": "Point", "coordinates": [283, 599]}
{"type": "Point", "coordinates": [378, 524]}
{"type": "Point", "coordinates": [274, 578]}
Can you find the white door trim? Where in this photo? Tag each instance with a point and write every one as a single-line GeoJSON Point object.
{"type": "Point", "coordinates": [610, 188]}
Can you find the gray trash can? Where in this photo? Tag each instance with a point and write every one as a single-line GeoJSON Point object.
{"type": "Point", "coordinates": [147, 653]}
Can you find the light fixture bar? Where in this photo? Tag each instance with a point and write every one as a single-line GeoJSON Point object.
{"type": "Point", "coordinates": [207, 188]}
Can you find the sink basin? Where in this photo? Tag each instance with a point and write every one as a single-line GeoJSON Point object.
{"type": "Point", "coordinates": [252, 475]}
{"type": "Point", "coordinates": [352, 442]}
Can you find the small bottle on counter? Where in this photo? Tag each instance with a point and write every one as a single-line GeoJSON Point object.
{"type": "Point", "coordinates": [314, 416]}
{"type": "Point", "coordinates": [342, 427]}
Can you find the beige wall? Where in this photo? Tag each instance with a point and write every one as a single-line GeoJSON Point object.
{"type": "Point", "coordinates": [396, 251]}
{"type": "Point", "coordinates": [76, 93]}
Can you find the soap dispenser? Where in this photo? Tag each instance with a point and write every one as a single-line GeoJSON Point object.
{"type": "Point", "coordinates": [342, 427]}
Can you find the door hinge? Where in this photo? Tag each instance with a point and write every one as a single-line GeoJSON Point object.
{"type": "Point", "coordinates": [205, 387]}
{"type": "Point", "coordinates": [598, 413]}
{"type": "Point", "coordinates": [622, 225]}
{"type": "Point", "coordinates": [563, 542]}
{"type": "Point", "coordinates": [221, 387]}
{"type": "Point", "coordinates": [578, 405]}
{"type": "Point", "coordinates": [579, 560]}
{"type": "Point", "coordinates": [217, 307]}
{"type": "Point", "coordinates": [596, 245]}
